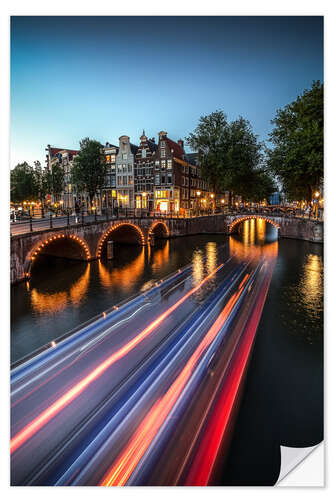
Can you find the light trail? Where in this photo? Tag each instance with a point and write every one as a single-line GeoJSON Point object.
{"type": "Point", "coordinates": [205, 457]}
{"type": "Point", "coordinates": [128, 460]}
{"type": "Point", "coordinates": [36, 424]}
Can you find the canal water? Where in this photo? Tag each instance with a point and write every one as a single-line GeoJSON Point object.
{"type": "Point", "coordinates": [282, 402]}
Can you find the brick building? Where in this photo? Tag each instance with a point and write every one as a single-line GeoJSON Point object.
{"type": "Point", "coordinates": [144, 173]}
{"type": "Point", "coordinates": [63, 157]}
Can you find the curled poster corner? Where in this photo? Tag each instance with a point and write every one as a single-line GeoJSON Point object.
{"type": "Point", "coordinates": [291, 458]}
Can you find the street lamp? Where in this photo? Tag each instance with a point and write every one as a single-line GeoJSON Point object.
{"type": "Point", "coordinates": [317, 194]}
{"type": "Point", "coordinates": [198, 193]}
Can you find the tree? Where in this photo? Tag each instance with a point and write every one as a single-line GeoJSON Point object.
{"type": "Point", "coordinates": [89, 167]}
{"type": "Point", "coordinates": [298, 138]}
{"type": "Point", "coordinates": [260, 186]}
{"type": "Point", "coordinates": [55, 180]}
{"type": "Point", "coordinates": [41, 181]}
{"type": "Point", "coordinates": [228, 152]}
{"type": "Point", "coordinates": [209, 140]}
{"type": "Point", "coordinates": [22, 183]}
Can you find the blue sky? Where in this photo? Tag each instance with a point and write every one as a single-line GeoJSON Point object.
{"type": "Point", "coordinates": [102, 77]}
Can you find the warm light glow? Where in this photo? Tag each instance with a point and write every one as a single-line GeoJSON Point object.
{"type": "Point", "coordinates": [198, 193]}
{"type": "Point", "coordinates": [317, 194]}
{"type": "Point", "coordinates": [212, 195]}
{"type": "Point", "coordinates": [163, 206]}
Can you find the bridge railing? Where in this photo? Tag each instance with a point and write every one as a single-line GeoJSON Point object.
{"type": "Point", "coordinates": [83, 217]}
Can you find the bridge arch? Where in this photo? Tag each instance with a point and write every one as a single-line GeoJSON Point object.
{"type": "Point", "coordinates": [136, 235]}
{"type": "Point", "coordinates": [239, 220]}
{"type": "Point", "coordinates": [159, 229]}
{"type": "Point", "coordinates": [58, 245]}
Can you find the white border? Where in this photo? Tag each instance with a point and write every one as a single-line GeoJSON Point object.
{"type": "Point", "coordinates": [148, 7]}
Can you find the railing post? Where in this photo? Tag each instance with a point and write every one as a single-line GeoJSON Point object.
{"type": "Point", "coordinates": [68, 218]}
{"type": "Point", "coordinates": [30, 223]}
{"type": "Point", "coordinates": [51, 221]}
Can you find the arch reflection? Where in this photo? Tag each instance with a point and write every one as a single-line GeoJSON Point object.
{"type": "Point", "coordinates": [124, 277]}
{"type": "Point", "coordinates": [52, 302]}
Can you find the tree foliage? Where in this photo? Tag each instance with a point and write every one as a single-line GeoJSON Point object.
{"type": "Point", "coordinates": [55, 178]}
{"type": "Point", "coordinates": [41, 181]}
{"type": "Point", "coordinates": [89, 167]}
{"type": "Point", "coordinates": [298, 137]}
{"type": "Point", "coordinates": [22, 183]}
{"type": "Point", "coordinates": [230, 156]}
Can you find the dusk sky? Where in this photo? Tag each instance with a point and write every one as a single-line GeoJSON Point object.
{"type": "Point", "coordinates": [102, 77]}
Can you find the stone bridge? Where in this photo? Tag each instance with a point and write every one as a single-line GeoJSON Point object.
{"type": "Point", "coordinates": [88, 241]}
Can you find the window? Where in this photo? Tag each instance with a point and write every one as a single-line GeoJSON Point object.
{"type": "Point", "coordinates": [186, 181]}
{"type": "Point", "coordinates": [183, 181]}
{"type": "Point", "coordinates": [130, 179]}
{"type": "Point", "coordinates": [157, 179]}
{"type": "Point", "coordinates": [162, 144]}
{"type": "Point", "coordinates": [113, 181]}
{"type": "Point", "coordinates": [163, 164]}
{"type": "Point", "coordinates": [120, 181]}
{"type": "Point", "coordinates": [162, 179]}
{"type": "Point", "coordinates": [124, 156]}
{"type": "Point", "coordinates": [157, 163]}
{"type": "Point", "coordinates": [120, 168]}
{"type": "Point", "coordinates": [129, 168]}
{"type": "Point", "coordinates": [143, 153]}
{"type": "Point", "coordinates": [124, 179]}
{"type": "Point", "coordinates": [113, 158]}
{"type": "Point", "coordinates": [169, 178]}
{"type": "Point", "coordinates": [124, 168]}
{"type": "Point", "coordinates": [108, 159]}
{"type": "Point", "coordinates": [162, 152]}
{"type": "Point", "coordinates": [169, 164]}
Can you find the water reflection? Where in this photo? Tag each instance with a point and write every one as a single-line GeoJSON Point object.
{"type": "Point", "coordinates": [53, 302]}
{"type": "Point", "coordinates": [257, 239]}
{"type": "Point", "coordinates": [123, 277]}
{"type": "Point", "coordinates": [310, 285]}
{"type": "Point", "coordinates": [198, 267]}
{"type": "Point", "coordinates": [160, 255]}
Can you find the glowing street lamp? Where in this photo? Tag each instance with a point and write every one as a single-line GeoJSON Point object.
{"type": "Point", "coordinates": [198, 193]}
{"type": "Point", "coordinates": [317, 194]}
{"type": "Point", "coordinates": [212, 195]}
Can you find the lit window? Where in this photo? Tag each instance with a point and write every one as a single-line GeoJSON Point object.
{"type": "Point", "coordinates": [119, 180]}
{"type": "Point", "coordinates": [157, 163]}
{"type": "Point", "coordinates": [169, 163]}
{"type": "Point", "coordinates": [108, 158]}
{"type": "Point", "coordinates": [130, 179]}
{"type": "Point", "coordinates": [163, 164]}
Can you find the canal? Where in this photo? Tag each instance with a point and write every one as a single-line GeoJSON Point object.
{"type": "Point", "coordinates": [283, 395]}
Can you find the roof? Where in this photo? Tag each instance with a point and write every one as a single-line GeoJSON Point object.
{"type": "Point", "coordinates": [54, 151]}
{"type": "Point", "coordinates": [134, 148]}
{"type": "Point", "coordinates": [177, 150]}
{"type": "Point", "coordinates": [192, 158]}
{"type": "Point", "coordinates": [152, 145]}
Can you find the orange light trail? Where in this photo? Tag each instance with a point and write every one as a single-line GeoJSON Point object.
{"type": "Point", "coordinates": [204, 460]}
{"type": "Point", "coordinates": [130, 457]}
{"type": "Point", "coordinates": [36, 424]}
